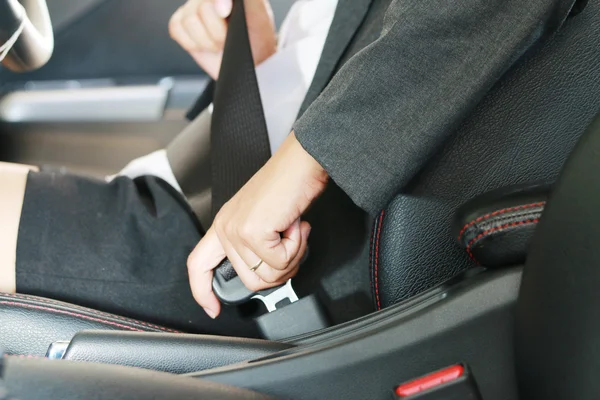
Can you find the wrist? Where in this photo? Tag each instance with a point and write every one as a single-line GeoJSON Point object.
{"type": "Point", "coordinates": [294, 165]}
{"type": "Point", "coordinates": [314, 174]}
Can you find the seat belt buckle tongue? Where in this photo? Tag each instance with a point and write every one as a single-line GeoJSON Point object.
{"type": "Point", "coordinates": [452, 383]}
{"type": "Point", "coordinates": [272, 298]}
{"type": "Point", "coordinates": [230, 289]}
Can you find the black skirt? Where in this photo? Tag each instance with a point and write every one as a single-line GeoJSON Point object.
{"type": "Point", "coordinates": [119, 247]}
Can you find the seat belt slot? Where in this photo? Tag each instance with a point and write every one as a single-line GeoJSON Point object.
{"type": "Point", "coordinates": [297, 318]}
{"type": "Point", "coordinates": [287, 315]}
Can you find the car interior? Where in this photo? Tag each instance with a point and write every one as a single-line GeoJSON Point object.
{"type": "Point", "coordinates": [482, 276]}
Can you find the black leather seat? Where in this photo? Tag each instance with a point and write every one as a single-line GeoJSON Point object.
{"type": "Point", "coordinates": [521, 133]}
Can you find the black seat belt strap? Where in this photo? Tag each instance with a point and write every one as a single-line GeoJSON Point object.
{"type": "Point", "coordinates": [239, 148]}
{"type": "Point", "coordinates": [239, 139]}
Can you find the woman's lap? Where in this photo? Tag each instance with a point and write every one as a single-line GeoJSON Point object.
{"type": "Point", "coordinates": [120, 247]}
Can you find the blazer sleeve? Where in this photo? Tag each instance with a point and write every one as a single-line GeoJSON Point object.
{"type": "Point", "coordinates": [390, 107]}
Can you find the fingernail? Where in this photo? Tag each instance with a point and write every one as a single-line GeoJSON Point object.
{"type": "Point", "coordinates": [210, 313]}
{"type": "Point", "coordinates": [223, 8]}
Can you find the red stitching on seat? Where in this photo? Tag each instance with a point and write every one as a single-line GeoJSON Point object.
{"type": "Point", "coordinates": [85, 309]}
{"type": "Point", "coordinates": [372, 256]}
{"type": "Point", "coordinates": [72, 314]}
{"type": "Point", "coordinates": [499, 212]}
{"type": "Point", "coordinates": [89, 310]}
{"type": "Point", "coordinates": [377, 299]}
{"type": "Point", "coordinates": [22, 356]}
{"type": "Point", "coordinates": [497, 229]}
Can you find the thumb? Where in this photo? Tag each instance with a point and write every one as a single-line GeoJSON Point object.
{"type": "Point", "coordinates": [305, 229]}
{"type": "Point", "coordinates": [291, 241]}
{"type": "Point", "coordinates": [201, 262]}
{"type": "Point", "coordinates": [223, 7]}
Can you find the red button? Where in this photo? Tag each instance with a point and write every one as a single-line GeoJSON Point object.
{"type": "Point", "coordinates": [430, 381]}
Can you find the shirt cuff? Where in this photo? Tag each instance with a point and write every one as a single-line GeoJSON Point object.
{"type": "Point", "coordinates": [155, 164]}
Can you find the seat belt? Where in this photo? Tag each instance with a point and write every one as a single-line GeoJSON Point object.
{"type": "Point", "coordinates": [239, 138]}
{"type": "Point", "coordinates": [239, 148]}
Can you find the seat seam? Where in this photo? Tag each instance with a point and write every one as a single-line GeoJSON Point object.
{"type": "Point", "coordinates": [501, 228]}
{"type": "Point", "coordinates": [85, 309]}
{"type": "Point", "coordinates": [371, 261]}
{"type": "Point", "coordinates": [376, 269]}
{"type": "Point", "coordinates": [499, 221]}
{"type": "Point", "coordinates": [69, 313]}
{"type": "Point", "coordinates": [498, 212]}
{"type": "Point", "coordinates": [22, 356]}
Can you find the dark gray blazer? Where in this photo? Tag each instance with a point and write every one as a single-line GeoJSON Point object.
{"type": "Point", "coordinates": [395, 79]}
{"type": "Point", "coordinates": [392, 104]}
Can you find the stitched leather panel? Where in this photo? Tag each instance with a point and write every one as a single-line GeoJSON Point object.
{"type": "Point", "coordinates": [502, 240]}
{"type": "Point", "coordinates": [522, 132]}
{"type": "Point", "coordinates": [374, 258]}
{"type": "Point", "coordinates": [487, 220]}
{"type": "Point", "coordinates": [496, 228]}
{"type": "Point", "coordinates": [29, 324]}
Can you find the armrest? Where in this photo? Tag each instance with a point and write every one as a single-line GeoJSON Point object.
{"type": "Point", "coordinates": [30, 324]}
{"type": "Point", "coordinates": [175, 353]}
{"type": "Point", "coordinates": [495, 229]}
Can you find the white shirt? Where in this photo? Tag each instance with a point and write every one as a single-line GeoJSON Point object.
{"type": "Point", "coordinates": [283, 80]}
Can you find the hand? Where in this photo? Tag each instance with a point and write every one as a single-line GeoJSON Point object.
{"type": "Point", "coordinates": [261, 222]}
{"type": "Point", "coordinates": [200, 27]}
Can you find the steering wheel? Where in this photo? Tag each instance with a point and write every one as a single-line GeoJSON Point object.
{"type": "Point", "coordinates": [26, 37]}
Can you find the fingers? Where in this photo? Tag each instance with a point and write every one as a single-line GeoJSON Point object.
{"type": "Point", "coordinates": [277, 277]}
{"type": "Point", "coordinates": [178, 33]}
{"type": "Point", "coordinates": [196, 29]}
{"type": "Point", "coordinates": [305, 232]}
{"type": "Point", "coordinates": [251, 280]}
{"type": "Point", "coordinates": [243, 258]}
{"type": "Point", "coordinates": [223, 7]}
{"type": "Point", "coordinates": [199, 26]}
{"type": "Point", "coordinates": [280, 249]}
{"type": "Point", "coordinates": [268, 276]}
{"type": "Point", "coordinates": [240, 257]}
{"type": "Point", "coordinates": [214, 247]}
{"type": "Point", "coordinates": [215, 25]}
{"type": "Point", "coordinates": [201, 262]}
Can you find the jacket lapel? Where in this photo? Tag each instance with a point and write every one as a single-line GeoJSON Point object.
{"type": "Point", "coordinates": [349, 14]}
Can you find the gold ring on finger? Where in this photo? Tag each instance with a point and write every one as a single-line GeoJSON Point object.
{"type": "Point", "coordinates": [255, 267]}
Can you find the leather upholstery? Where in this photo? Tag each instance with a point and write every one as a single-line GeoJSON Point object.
{"type": "Point", "coordinates": [175, 353]}
{"type": "Point", "coordinates": [496, 229]}
{"type": "Point", "coordinates": [521, 133]}
{"type": "Point", "coordinates": [30, 324]}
